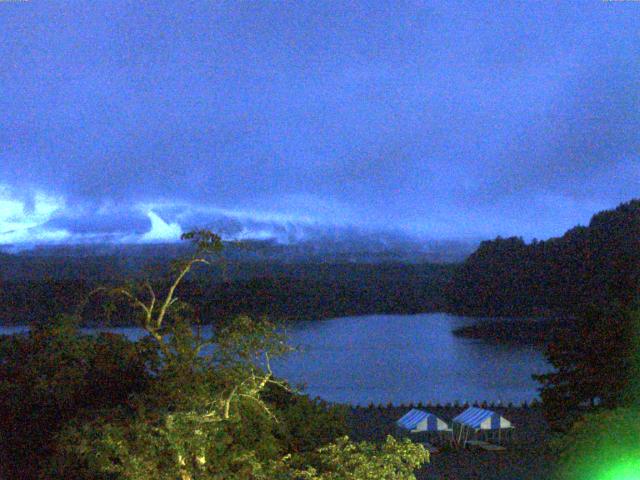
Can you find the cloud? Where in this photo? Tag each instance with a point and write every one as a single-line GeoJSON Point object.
{"type": "Point", "coordinates": [161, 231]}
{"type": "Point", "coordinates": [21, 221]}
{"type": "Point", "coordinates": [430, 118]}
{"type": "Point", "coordinates": [34, 236]}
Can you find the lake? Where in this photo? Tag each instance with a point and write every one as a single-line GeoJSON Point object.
{"type": "Point", "coordinates": [401, 359]}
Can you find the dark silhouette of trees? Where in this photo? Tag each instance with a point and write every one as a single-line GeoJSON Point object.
{"type": "Point", "coordinates": [304, 291]}
{"type": "Point", "coordinates": [593, 266]}
{"type": "Point", "coordinates": [594, 361]}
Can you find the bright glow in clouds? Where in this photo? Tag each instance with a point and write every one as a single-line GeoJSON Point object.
{"type": "Point", "coordinates": [299, 209]}
{"type": "Point", "coordinates": [280, 222]}
{"type": "Point", "coordinates": [161, 231]}
{"type": "Point", "coordinates": [45, 219]}
{"type": "Point", "coordinates": [22, 223]}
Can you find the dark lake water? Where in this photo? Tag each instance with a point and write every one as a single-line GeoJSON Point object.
{"type": "Point", "coordinates": [401, 359]}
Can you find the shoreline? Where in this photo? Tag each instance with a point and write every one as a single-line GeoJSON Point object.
{"type": "Point", "coordinates": [516, 331]}
{"type": "Point", "coordinates": [456, 405]}
{"type": "Point", "coordinates": [321, 316]}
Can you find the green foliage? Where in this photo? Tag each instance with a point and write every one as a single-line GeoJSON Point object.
{"type": "Point", "coordinates": [205, 241]}
{"type": "Point", "coordinates": [601, 446]}
{"type": "Point", "coordinates": [307, 424]}
{"type": "Point", "coordinates": [165, 446]}
{"type": "Point", "coordinates": [203, 416]}
{"type": "Point", "coordinates": [54, 374]}
{"type": "Point", "coordinates": [246, 340]}
{"type": "Point", "coordinates": [223, 423]}
{"type": "Point", "coordinates": [345, 460]}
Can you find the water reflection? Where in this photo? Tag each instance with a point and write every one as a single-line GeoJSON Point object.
{"type": "Point", "coordinates": [399, 359]}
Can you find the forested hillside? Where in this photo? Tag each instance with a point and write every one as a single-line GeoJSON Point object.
{"type": "Point", "coordinates": [592, 266]}
{"type": "Point", "coordinates": [303, 291]}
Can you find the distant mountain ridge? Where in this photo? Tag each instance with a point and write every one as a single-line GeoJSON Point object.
{"type": "Point", "coordinates": [592, 265]}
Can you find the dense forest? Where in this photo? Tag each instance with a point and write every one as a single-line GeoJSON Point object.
{"type": "Point", "coordinates": [246, 259]}
{"type": "Point", "coordinates": [588, 267]}
{"type": "Point", "coordinates": [312, 280]}
{"type": "Point", "coordinates": [282, 291]}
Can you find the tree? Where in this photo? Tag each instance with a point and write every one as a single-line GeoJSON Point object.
{"type": "Point", "coordinates": [595, 265]}
{"type": "Point", "coordinates": [604, 443]}
{"type": "Point", "coordinates": [214, 409]}
{"type": "Point", "coordinates": [594, 363]}
{"type": "Point", "coordinates": [53, 374]}
{"type": "Point", "coordinates": [343, 459]}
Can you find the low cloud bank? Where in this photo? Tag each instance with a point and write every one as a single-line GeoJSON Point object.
{"type": "Point", "coordinates": [46, 220]}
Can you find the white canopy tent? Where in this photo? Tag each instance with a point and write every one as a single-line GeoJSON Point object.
{"type": "Point", "coordinates": [419, 421]}
{"type": "Point", "coordinates": [478, 420]}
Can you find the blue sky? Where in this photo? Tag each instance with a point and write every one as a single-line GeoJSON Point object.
{"type": "Point", "coordinates": [134, 121]}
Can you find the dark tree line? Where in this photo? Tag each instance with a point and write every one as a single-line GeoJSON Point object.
{"type": "Point", "coordinates": [297, 292]}
{"type": "Point", "coordinates": [593, 266]}
{"type": "Point", "coordinates": [595, 361]}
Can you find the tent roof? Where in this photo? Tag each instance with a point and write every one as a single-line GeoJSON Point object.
{"type": "Point", "coordinates": [421, 421]}
{"type": "Point", "coordinates": [482, 419]}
